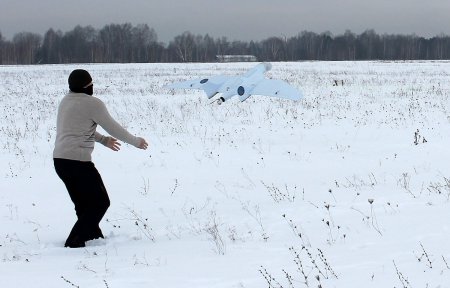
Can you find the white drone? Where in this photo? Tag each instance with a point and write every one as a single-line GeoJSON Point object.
{"type": "Point", "coordinates": [244, 86]}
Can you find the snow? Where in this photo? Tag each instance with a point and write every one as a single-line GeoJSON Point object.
{"type": "Point", "coordinates": [264, 193]}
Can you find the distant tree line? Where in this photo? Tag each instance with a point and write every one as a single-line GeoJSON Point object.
{"type": "Point", "coordinates": [125, 43]}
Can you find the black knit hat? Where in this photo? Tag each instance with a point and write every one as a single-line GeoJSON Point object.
{"type": "Point", "coordinates": [79, 79]}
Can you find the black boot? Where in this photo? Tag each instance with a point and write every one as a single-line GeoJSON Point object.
{"type": "Point", "coordinates": [96, 234]}
{"type": "Point", "coordinates": [75, 242]}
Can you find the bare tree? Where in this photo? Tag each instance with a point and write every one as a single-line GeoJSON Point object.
{"type": "Point", "coordinates": [142, 39]}
{"type": "Point", "coordinates": [184, 46]}
{"type": "Point", "coordinates": [51, 47]}
{"type": "Point", "coordinates": [26, 46]}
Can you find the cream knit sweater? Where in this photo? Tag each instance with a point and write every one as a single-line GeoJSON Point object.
{"type": "Point", "coordinates": [78, 116]}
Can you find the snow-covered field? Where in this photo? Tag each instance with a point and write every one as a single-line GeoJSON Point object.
{"type": "Point", "coordinates": [349, 187]}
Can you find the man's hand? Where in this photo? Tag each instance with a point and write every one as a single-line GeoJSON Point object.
{"type": "Point", "coordinates": [113, 144]}
{"type": "Point", "coordinates": [142, 143]}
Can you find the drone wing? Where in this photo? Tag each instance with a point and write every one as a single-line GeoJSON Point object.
{"type": "Point", "coordinates": [276, 88]}
{"type": "Point", "coordinates": [211, 85]}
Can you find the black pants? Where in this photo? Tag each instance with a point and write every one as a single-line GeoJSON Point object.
{"type": "Point", "coordinates": [88, 193]}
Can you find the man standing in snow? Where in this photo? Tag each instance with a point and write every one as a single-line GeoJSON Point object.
{"type": "Point", "coordinates": [79, 113]}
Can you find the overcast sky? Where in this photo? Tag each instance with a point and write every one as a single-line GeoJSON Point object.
{"type": "Point", "coordinates": [236, 19]}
